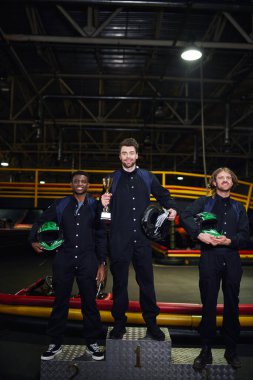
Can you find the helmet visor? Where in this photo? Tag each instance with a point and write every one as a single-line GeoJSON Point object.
{"type": "Point", "coordinates": [50, 236]}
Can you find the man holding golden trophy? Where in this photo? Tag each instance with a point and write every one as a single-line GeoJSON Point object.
{"type": "Point", "coordinates": [128, 190]}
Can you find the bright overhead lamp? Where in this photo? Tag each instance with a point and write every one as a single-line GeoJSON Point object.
{"type": "Point", "coordinates": [4, 163]}
{"type": "Point", "coordinates": [191, 53]}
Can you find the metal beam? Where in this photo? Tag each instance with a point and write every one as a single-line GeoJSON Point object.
{"type": "Point", "coordinates": [235, 6]}
{"type": "Point", "coordinates": [123, 125]}
{"type": "Point", "coordinates": [146, 98]}
{"type": "Point", "coordinates": [124, 42]}
{"type": "Point", "coordinates": [135, 77]}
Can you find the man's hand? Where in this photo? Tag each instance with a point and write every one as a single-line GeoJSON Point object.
{"type": "Point", "coordinates": [101, 274]}
{"type": "Point", "coordinates": [36, 246]}
{"type": "Point", "coordinates": [206, 238]}
{"type": "Point", "coordinates": [221, 240]}
{"type": "Point", "coordinates": [105, 199]}
{"type": "Point", "coordinates": [172, 214]}
{"type": "Point", "coordinates": [210, 239]}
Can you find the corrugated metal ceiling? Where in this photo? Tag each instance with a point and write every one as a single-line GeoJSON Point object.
{"type": "Point", "coordinates": [86, 74]}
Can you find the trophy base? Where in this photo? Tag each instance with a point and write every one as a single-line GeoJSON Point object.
{"type": "Point", "coordinates": [105, 215]}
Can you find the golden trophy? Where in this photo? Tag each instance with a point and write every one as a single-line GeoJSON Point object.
{"type": "Point", "coordinates": [107, 183]}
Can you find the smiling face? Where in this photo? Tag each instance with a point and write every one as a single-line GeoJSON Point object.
{"type": "Point", "coordinates": [223, 183]}
{"type": "Point", "coordinates": [80, 185]}
{"type": "Point", "coordinates": [128, 157]}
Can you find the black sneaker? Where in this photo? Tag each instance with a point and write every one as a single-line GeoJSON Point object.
{"type": "Point", "coordinates": [232, 358]}
{"type": "Point", "coordinates": [155, 332]}
{"type": "Point", "coordinates": [52, 350]}
{"type": "Point", "coordinates": [117, 332]}
{"type": "Point", "coordinates": [96, 352]}
{"type": "Point", "coordinates": [205, 357]}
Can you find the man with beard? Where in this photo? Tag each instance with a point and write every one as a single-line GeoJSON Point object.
{"type": "Point", "coordinates": [219, 263]}
{"type": "Point", "coordinates": [81, 256]}
{"type": "Point", "coordinates": [130, 196]}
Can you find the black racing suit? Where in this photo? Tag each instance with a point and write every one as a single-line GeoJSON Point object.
{"type": "Point", "coordinates": [128, 242]}
{"type": "Point", "coordinates": [220, 264]}
{"type": "Point", "coordinates": [83, 249]}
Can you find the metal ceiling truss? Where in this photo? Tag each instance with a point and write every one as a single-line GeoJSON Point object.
{"type": "Point", "coordinates": [59, 117]}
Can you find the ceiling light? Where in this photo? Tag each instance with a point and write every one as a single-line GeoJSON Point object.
{"type": "Point", "coordinates": [4, 85]}
{"type": "Point", "coordinates": [159, 112]}
{"type": "Point", "coordinates": [147, 141]}
{"type": "Point", "coordinates": [191, 53]}
{"type": "Point", "coordinates": [179, 178]}
{"type": "Point", "coordinates": [5, 89]}
{"type": "Point", "coordinates": [4, 163]}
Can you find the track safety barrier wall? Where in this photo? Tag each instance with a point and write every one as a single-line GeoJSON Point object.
{"type": "Point", "coordinates": [54, 183]}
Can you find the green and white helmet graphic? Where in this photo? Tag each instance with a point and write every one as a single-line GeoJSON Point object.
{"type": "Point", "coordinates": [207, 222]}
{"type": "Point", "coordinates": [50, 236]}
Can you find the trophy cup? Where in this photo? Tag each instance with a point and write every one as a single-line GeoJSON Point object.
{"type": "Point", "coordinates": [107, 183]}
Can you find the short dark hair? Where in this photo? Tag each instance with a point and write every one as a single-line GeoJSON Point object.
{"type": "Point", "coordinates": [129, 142]}
{"type": "Point", "coordinates": [79, 172]}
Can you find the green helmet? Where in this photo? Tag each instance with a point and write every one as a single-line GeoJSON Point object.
{"type": "Point", "coordinates": [50, 236]}
{"type": "Point", "coordinates": [207, 223]}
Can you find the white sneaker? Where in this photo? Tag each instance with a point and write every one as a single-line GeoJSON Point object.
{"type": "Point", "coordinates": [96, 352]}
{"type": "Point", "coordinates": [51, 352]}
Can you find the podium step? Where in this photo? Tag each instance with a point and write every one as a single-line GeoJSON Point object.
{"type": "Point", "coordinates": [138, 356]}
{"type": "Point", "coordinates": [73, 363]}
{"type": "Point", "coordinates": [182, 360]}
{"type": "Point", "coordinates": [135, 357]}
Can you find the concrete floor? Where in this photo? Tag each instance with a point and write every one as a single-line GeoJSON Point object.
{"type": "Point", "coordinates": [21, 345]}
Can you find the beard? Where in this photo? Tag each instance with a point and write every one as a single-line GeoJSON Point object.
{"type": "Point", "coordinates": [221, 188]}
{"type": "Point", "coordinates": [129, 166]}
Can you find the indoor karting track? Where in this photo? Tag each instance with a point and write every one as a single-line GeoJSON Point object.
{"type": "Point", "coordinates": [22, 342]}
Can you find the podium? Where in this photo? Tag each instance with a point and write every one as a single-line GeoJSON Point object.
{"type": "Point", "coordinates": [135, 357]}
